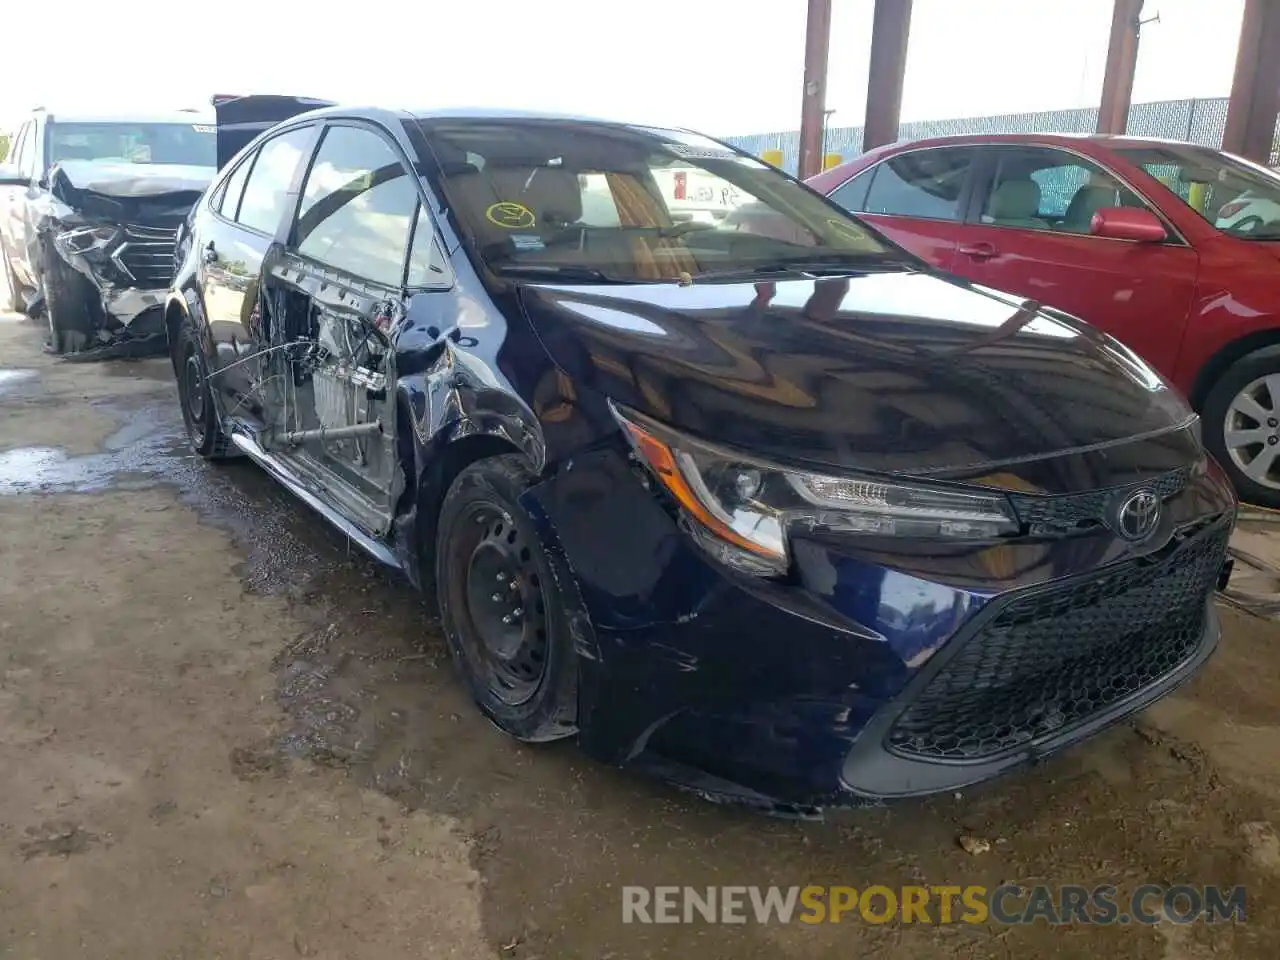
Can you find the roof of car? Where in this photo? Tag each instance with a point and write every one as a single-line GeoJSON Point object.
{"type": "Point", "coordinates": [202, 116]}
{"type": "Point", "coordinates": [1102, 139]}
{"type": "Point", "coordinates": [511, 113]}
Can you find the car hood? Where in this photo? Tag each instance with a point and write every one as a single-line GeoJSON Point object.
{"type": "Point", "coordinates": [899, 372]}
{"type": "Point", "coordinates": [122, 179]}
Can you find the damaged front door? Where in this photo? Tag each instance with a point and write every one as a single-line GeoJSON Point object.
{"type": "Point", "coordinates": [336, 294]}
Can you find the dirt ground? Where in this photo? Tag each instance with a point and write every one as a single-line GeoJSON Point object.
{"type": "Point", "coordinates": [223, 735]}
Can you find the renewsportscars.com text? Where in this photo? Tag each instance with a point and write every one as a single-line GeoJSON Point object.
{"type": "Point", "coordinates": [1007, 904]}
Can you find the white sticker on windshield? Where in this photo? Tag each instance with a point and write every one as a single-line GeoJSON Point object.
{"type": "Point", "coordinates": [527, 241]}
{"type": "Point", "coordinates": [699, 153]}
{"type": "Point", "coordinates": [203, 128]}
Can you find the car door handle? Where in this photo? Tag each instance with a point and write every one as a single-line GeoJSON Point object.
{"type": "Point", "coordinates": [210, 253]}
{"type": "Point", "coordinates": [978, 251]}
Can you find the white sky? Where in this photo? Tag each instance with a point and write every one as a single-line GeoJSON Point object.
{"type": "Point", "coordinates": [721, 66]}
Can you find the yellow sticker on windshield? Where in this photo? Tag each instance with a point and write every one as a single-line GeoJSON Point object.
{"type": "Point", "coordinates": [846, 230]}
{"type": "Point", "coordinates": [510, 215]}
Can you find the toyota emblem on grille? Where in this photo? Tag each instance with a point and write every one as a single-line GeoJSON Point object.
{"type": "Point", "coordinates": [1138, 515]}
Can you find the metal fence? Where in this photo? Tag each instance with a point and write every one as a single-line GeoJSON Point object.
{"type": "Point", "coordinates": [1196, 120]}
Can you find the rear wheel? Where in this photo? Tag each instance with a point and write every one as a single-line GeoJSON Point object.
{"type": "Point", "coordinates": [1242, 425]}
{"type": "Point", "coordinates": [203, 426]}
{"type": "Point", "coordinates": [501, 604]}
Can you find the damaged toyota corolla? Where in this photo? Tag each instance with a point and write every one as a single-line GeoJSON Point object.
{"type": "Point", "coordinates": [92, 209]}
{"type": "Point", "coordinates": [787, 518]}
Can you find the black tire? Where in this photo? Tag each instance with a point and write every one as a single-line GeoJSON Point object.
{"type": "Point", "coordinates": [13, 299]}
{"type": "Point", "coordinates": [204, 427]}
{"type": "Point", "coordinates": [66, 304]}
{"type": "Point", "coordinates": [524, 676]}
{"type": "Point", "coordinates": [1218, 404]}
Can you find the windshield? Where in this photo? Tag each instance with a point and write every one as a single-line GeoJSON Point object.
{"type": "Point", "coordinates": [1237, 197]}
{"type": "Point", "coordinates": [594, 201]}
{"type": "Point", "coordinates": [187, 143]}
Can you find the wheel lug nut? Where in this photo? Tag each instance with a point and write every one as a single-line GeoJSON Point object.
{"type": "Point", "coordinates": [1273, 422]}
{"type": "Point", "coordinates": [502, 577]}
{"type": "Point", "coordinates": [497, 596]}
{"type": "Point", "coordinates": [518, 612]}
{"type": "Point", "coordinates": [1271, 440]}
{"type": "Point", "coordinates": [506, 620]}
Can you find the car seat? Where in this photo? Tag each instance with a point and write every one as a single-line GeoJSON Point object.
{"type": "Point", "coordinates": [1088, 200]}
{"type": "Point", "coordinates": [1016, 203]}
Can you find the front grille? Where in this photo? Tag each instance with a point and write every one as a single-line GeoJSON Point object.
{"type": "Point", "coordinates": [147, 253]}
{"type": "Point", "coordinates": [1055, 658]}
{"type": "Point", "coordinates": [1076, 511]}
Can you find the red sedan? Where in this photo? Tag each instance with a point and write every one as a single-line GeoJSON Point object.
{"type": "Point", "coordinates": [1172, 248]}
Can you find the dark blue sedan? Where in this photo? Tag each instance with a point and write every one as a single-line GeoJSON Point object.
{"type": "Point", "coordinates": [777, 512]}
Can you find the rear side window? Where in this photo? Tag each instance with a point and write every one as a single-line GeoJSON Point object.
{"type": "Point", "coordinates": [428, 266]}
{"type": "Point", "coordinates": [266, 192]}
{"type": "Point", "coordinates": [357, 206]}
{"type": "Point", "coordinates": [923, 183]}
{"type": "Point", "coordinates": [228, 200]}
{"type": "Point", "coordinates": [852, 194]}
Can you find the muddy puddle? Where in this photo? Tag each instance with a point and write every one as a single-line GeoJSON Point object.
{"type": "Point", "coordinates": [11, 379]}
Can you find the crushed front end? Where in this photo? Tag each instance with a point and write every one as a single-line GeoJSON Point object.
{"type": "Point", "coordinates": [112, 233]}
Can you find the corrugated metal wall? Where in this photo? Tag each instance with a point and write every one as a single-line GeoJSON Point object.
{"type": "Point", "coordinates": [1199, 121]}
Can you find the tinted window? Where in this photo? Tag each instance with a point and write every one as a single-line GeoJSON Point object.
{"type": "Point", "coordinates": [1041, 189]}
{"type": "Point", "coordinates": [427, 263]}
{"type": "Point", "coordinates": [185, 143]}
{"type": "Point", "coordinates": [266, 192]}
{"type": "Point", "coordinates": [852, 194]}
{"type": "Point", "coordinates": [924, 183]}
{"type": "Point", "coordinates": [228, 200]}
{"type": "Point", "coordinates": [357, 206]}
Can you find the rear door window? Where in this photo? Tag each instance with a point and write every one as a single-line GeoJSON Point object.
{"type": "Point", "coordinates": [358, 206]}
{"type": "Point", "coordinates": [923, 183]}
{"type": "Point", "coordinates": [266, 191]}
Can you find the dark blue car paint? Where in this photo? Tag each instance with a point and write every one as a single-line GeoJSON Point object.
{"type": "Point", "coordinates": [738, 686]}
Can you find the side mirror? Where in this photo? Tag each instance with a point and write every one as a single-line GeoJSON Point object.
{"type": "Point", "coordinates": [1128, 223]}
{"type": "Point", "coordinates": [10, 176]}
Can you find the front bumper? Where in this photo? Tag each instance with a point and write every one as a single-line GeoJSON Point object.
{"type": "Point", "coordinates": [793, 695]}
{"type": "Point", "coordinates": [130, 275]}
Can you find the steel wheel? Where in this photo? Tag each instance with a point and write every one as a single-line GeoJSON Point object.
{"type": "Point", "coordinates": [198, 410]}
{"type": "Point", "coordinates": [506, 606]}
{"type": "Point", "coordinates": [1251, 431]}
{"type": "Point", "coordinates": [504, 602]}
{"type": "Point", "coordinates": [191, 391]}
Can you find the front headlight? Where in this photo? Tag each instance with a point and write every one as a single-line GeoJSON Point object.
{"type": "Point", "coordinates": [750, 506]}
{"type": "Point", "coordinates": [86, 239]}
